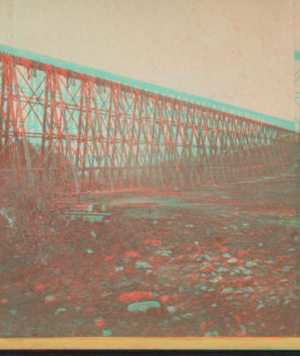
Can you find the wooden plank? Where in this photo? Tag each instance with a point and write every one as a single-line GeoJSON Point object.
{"type": "Point", "coordinates": [86, 127]}
{"type": "Point", "coordinates": [141, 122]}
{"type": "Point", "coordinates": [123, 128]}
{"type": "Point", "coordinates": [2, 103]}
{"type": "Point", "coordinates": [45, 108]}
{"type": "Point", "coordinates": [107, 171]}
{"type": "Point", "coordinates": [7, 120]}
{"type": "Point", "coordinates": [79, 131]}
{"type": "Point", "coordinates": [129, 161]}
{"type": "Point", "coordinates": [147, 154]}
{"type": "Point", "coordinates": [116, 128]}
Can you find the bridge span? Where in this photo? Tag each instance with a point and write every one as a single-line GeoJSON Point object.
{"type": "Point", "coordinates": [95, 130]}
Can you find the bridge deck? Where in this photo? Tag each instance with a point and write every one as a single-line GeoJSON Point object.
{"type": "Point", "coordinates": [212, 104]}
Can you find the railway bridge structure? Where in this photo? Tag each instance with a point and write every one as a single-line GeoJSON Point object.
{"type": "Point", "coordinates": [94, 130]}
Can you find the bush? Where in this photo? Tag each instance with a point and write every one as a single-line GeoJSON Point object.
{"type": "Point", "coordinates": [39, 222]}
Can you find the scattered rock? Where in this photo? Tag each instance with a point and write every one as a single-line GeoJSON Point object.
{"type": "Point", "coordinates": [164, 253]}
{"type": "Point", "coordinates": [247, 271]}
{"type": "Point", "coordinates": [134, 296]}
{"type": "Point", "coordinates": [142, 265]}
{"type": "Point", "coordinates": [93, 234]}
{"type": "Point", "coordinates": [227, 290]}
{"type": "Point", "coordinates": [164, 299]}
{"type": "Point", "coordinates": [250, 264]}
{"type": "Point", "coordinates": [129, 254]}
{"type": "Point", "coordinates": [99, 321]}
{"type": "Point", "coordinates": [143, 306]}
{"type": "Point", "coordinates": [171, 309]}
{"type": "Point", "coordinates": [187, 315]}
{"type": "Point", "coordinates": [59, 310]}
{"type": "Point", "coordinates": [50, 298]}
{"type": "Point", "coordinates": [218, 279]}
{"type": "Point", "coordinates": [107, 332]}
{"type": "Point", "coordinates": [232, 260]}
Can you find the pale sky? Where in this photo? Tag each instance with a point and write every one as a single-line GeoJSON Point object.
{"type": "Point", "coordinates": [239, 52]}
{"type": "Point", "coordinates": [297, 24]}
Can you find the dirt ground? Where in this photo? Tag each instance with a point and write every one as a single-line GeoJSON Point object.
{"type": "Point", "coordinates": [174, 262]}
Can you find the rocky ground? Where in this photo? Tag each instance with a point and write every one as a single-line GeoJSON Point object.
{"type": "Point", "coordinates": [187, 262]}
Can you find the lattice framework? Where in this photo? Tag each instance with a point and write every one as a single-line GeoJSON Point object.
{"type": "Point", "coordinates": [106, 134]}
